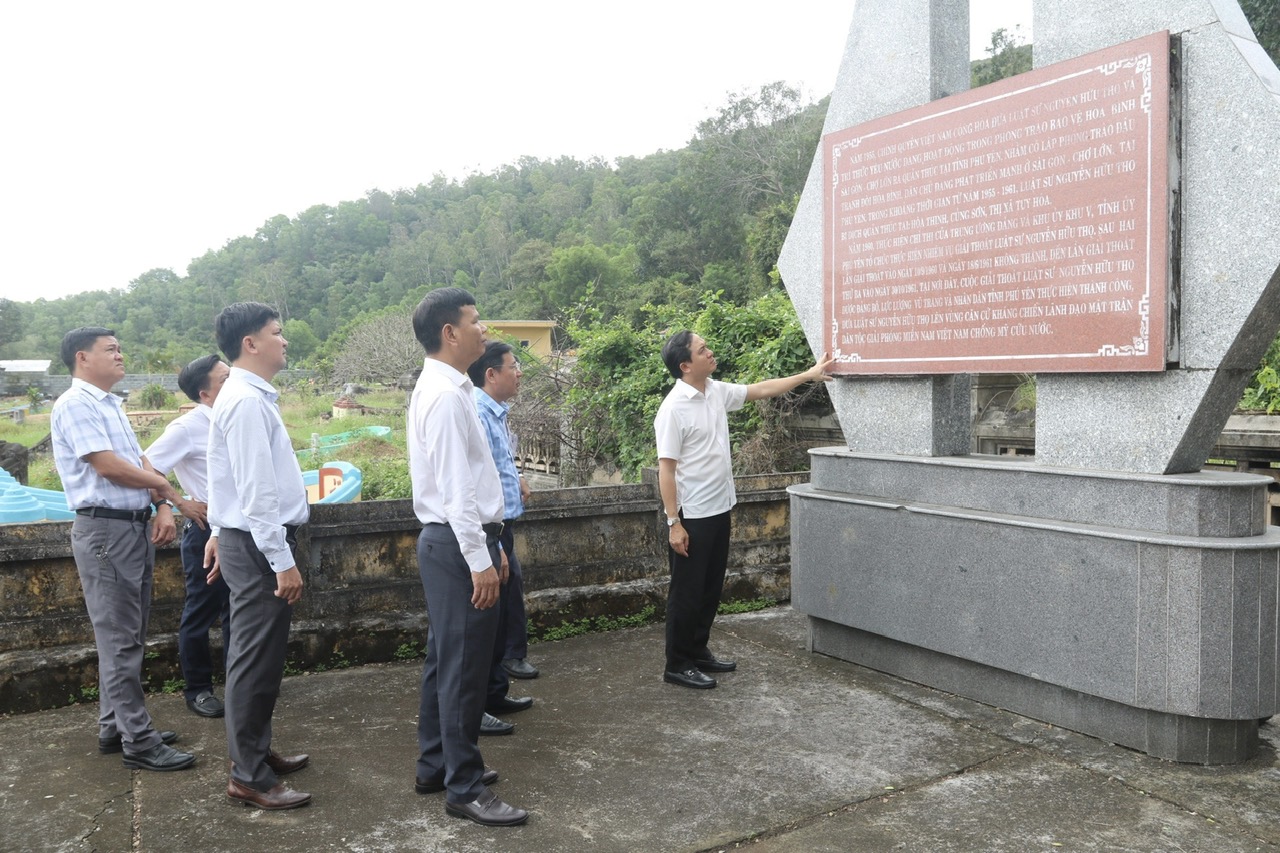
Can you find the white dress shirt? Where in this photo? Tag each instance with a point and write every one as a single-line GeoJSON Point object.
{"type": "Point", "coordinates": [86, 420]}
{"type": "Point", "coordinates": [693, 429]}
{"type": "Point", "coordinates": [255, 483]}
{"type": "Point", "coordinates": [454, 479]}
{"type": "Point", "coordinates": [183, 448]}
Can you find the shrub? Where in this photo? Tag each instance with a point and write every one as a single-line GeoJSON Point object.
{"type": "Point", "coordinates": [154, 397]}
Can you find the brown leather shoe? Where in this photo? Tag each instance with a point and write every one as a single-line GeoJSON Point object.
{"type": "Point", "coordinates": [283, 764]}
{"type": "Point", "coordinates": [279, 797]}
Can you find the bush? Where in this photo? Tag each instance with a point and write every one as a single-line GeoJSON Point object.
{"type": "Point", "coordinates": [154, 397]}
{"type": "Point", "coordinates": [1263, 393]}
{"type": "Point", "coordinates": [619, 380]}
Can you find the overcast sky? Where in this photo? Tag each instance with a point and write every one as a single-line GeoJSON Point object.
{"type": "Point", "coordinates": [143, 134]}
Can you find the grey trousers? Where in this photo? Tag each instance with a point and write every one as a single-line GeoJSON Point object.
{"type": "Point", "coordinates": [115, 560]}
{"type": "Point", "coordinates": [460, 642]}
{"type": "Point", "coordinates": [255, 661]}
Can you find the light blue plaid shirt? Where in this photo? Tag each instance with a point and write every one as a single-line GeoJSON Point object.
{"type": "Point", "coordinates": [493, 417]}
{"type": "Point", "coordinates": [87, 420]}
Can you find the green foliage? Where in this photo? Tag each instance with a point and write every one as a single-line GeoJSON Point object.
{"type": "Point", "coordinates": [1024, 396]}
{"type": "Point", "coordinates": [749, 605]}
{"type": "Point", "coordinates": [302, 340]}
{"type": "Point", "coordinates": [386, 478]}
{"type": "Point", "coordinates": [620, 380]}
{"type": "Point", "coordinates": [173, 685]}
{"type": "Point", "coordinates": [1264, 17]}
{"type": "Point", "coordinates": [409, 651]}
{"type": "Point", "coordinates": [529, 239]}
{"type": "Point", "coordinates": [1007, 55]}
{"type": "Point", "coordinates": [89, 693]}
{"type": "Point", "coordinates": [153, 397]}
{"type": "Point", "coordinates": [35, 397]}
{"type": "Point", "coordinates": [1263, 393]}
{"type": "Point", "coordinates": [599, 624]}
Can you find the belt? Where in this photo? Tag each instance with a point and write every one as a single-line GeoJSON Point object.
{"type": "Point", "coordinates": [117, 514]}
{"type": "Point", "coordinates": [493, 529]}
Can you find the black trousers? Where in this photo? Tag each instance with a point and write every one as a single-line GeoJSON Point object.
{"type": "Point", "coordinates": [696, 584]}
{"type": "Point", "coordinates": [206, 603]}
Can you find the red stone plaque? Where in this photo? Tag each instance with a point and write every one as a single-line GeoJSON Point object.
{"type": "Point", "coordinates": [1019, 227]}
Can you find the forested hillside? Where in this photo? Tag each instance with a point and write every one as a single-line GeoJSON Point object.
{"type": "Point", "coordinates": [530, 239]}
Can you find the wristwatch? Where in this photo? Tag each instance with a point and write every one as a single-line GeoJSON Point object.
{"type": "Point", "coordinates": [672, 520]}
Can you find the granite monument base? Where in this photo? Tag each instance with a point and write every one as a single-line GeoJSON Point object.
{"type": "Point", "coordinates": [1137, 608]}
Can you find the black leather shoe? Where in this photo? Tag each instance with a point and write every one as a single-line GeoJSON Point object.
{"type": "Point", "coordinates": [112, 745]}
{"type": "Point", "coordinates": [206, 705]}
{"type": "Point", "coordinates": [713, 665]}
{"type": "Point", "coordinates": [690, 678]}
{"type": "Point", "coordinates": [486, 778]}
{"type": "Point", "coordinates": [507, 705]}
{"type": "Point", "coordinates": [160, 757]}
{"type": "Point", "coordinates": [488, 810]}
{"type": "Point", "coordinates": [491, 725]}
{"type": "Point", "coordinates": [519, 668]}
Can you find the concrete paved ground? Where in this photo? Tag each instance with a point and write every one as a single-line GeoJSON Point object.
{"type": "Point", "coordinates": [794, 752]}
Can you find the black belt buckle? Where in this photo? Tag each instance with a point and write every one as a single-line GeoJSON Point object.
{"type": "Point", "coordinates": [493, 529]}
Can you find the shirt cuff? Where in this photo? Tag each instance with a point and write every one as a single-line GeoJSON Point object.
{"type": "Point", "coordinates": [280, 561]}
{"type": "Point", "coordinates": [479, 561]}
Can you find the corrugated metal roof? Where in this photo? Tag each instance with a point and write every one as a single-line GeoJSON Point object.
{"type": "Point", "coordinates": [26, 365]}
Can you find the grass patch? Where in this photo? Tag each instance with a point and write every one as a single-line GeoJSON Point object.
{"type": "Point", "coordinates": [588, 625]}
{"type": "Point", "coordinates": [745, 606]}
{"type": "Point", "coordinates": [31, 431]}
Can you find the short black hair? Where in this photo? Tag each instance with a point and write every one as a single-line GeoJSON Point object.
{"type": "Point", "coordinates": [676, 351]}
{"type": "Point", "coordinates": [438, 309]}
{"type": "Point", "coordinates": [236, 321]}
{"type": "Point", "coordinates": [494, 351]}
{"type": "Point", "coordinates": [81, 340]}
{"type": "Point", "coordinates": [194, 378]}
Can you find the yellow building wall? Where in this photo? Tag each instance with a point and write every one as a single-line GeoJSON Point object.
{"type": "Point", "coordinates": [532, 335]}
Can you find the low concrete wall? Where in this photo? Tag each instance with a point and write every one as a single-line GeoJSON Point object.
{"type": "Point", "coordinates": [596, 551]}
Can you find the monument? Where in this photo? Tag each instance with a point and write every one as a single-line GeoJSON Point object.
{"type": "Point", "coordinates": [1108, 222]}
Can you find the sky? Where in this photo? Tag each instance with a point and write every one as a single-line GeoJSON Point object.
{"type": "Point", "coordinates": [140, 135]}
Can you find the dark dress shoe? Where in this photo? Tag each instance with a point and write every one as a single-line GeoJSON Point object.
{"type": "Point", "coordinates": [282, 764]}
{"type": "Point", "coordinates": [519, 668]}
{"type": "Point", "coordinates": [160, 757]}
{"type": "Point", "coordinates": [488, 810]}
{"type": "Point", "coordinates": [507, 705]}
{"type": "Point", "coordinates": [491, 725]}
{"type": "Point", "coordinates": [206, 705]}
{"type": "Point", "coordinates": [279, 797]}
{"type": "Point", "coordinates": [690, 678]}
{"type": "Point", "coordinates": [713, 665]}
{"type": "Point", "coordinates": [112, 745]}
{"type": "Point", "coordinates": [486, 778]}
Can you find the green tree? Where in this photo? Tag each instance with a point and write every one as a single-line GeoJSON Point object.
{"type": "Point", "coordinates": [619, 380]}
{"type": "Point", "coordinates": [1264, 17]}
{"type": "Point", "coordinates": [13, 320]}
{"type": "Point", "coordinates": [302, 341]}
{"type": "Point", "coordinates": [1007, 55]}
